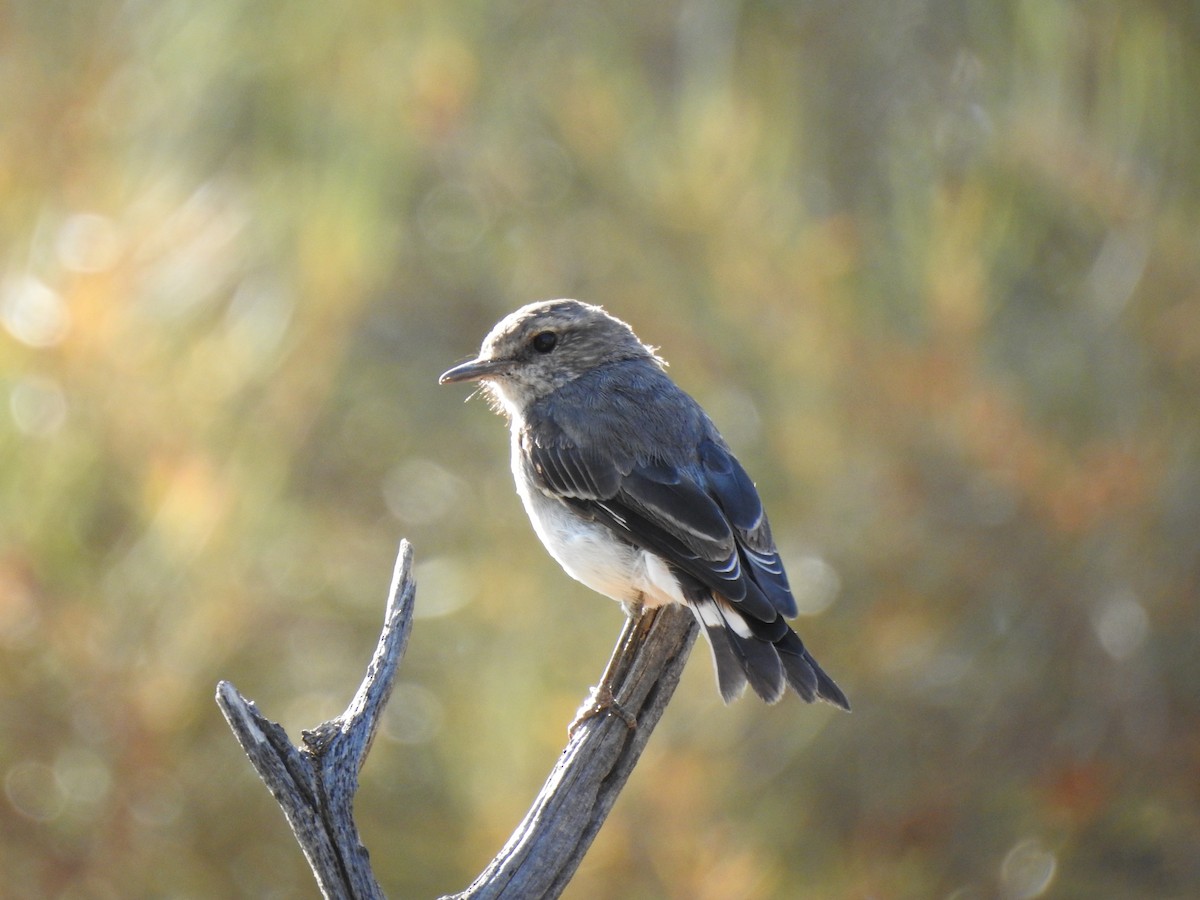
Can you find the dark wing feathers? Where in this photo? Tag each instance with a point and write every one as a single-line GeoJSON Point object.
{"type": "Point", "coordinates": [567, 471]}
{"type": "Point", "coordinates": [712, 527]}
{"type": "Point", "coordinates": [707, 522]}
{"type": "Point", "coordinates": [732, 486]}
{"type": "Point", "coordinates": [737, 496]}
{"type": "Point", "coordinates": [682, 508]}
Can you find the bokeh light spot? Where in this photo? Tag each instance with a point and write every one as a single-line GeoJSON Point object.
{"type": "Point", "coordinates": [414, 715]}
{"type": "Point", "coordinates": [33, 790]}
{"type": "Point", "coordinates": [83, 776]}
{"type": "Point", "coordinates": [38, 406]}
{"type": "Point", "coordinates": [815, 584]}
{"type": "Point", "coordinates": [33, 312]}
{"type": "Point", "coordinates": [1027, 871]}
{"type": "Point", "coordinates": [442, 588]}
{"type": "Point", "coordinates": [420, 492]}
{"type": "Point", "coordinates": [1121, 624]}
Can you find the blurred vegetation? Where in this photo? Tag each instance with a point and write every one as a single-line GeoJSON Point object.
{"type": "Point", "coordinates": [934, 267]}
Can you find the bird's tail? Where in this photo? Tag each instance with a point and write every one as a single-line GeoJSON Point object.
{"type": "Point", "coordinates": [768, 656]}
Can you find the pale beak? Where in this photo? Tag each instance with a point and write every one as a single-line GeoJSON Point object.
{"type": "Point", "coordinates": [474, 370]}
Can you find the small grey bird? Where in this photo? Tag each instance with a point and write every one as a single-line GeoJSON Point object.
{"type": "Point", "coordinates": [634, 492]}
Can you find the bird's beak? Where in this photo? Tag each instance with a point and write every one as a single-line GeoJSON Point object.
{"type": "Point", "coordinates": [473, 370]}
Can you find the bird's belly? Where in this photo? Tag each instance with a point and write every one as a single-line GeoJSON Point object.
{"type": "Point", "coordinates": [590, 553]}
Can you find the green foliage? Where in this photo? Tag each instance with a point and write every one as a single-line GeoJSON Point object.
{"type": "Point", "coordinates": [933, 267]}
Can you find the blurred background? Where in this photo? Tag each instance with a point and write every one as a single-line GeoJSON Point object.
{"type": "Point", "coordinates": [932, 266]}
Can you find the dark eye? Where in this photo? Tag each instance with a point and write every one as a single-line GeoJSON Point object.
{"type": "Point", "coordinates": [545, 341]}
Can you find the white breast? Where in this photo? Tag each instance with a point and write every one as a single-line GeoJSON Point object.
{"type": "Point", "coordinates": [590, 553]}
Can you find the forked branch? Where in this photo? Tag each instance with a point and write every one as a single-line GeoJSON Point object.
{"type": "Point", "coordinates": [316, 782]}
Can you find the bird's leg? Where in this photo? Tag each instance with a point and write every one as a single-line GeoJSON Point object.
{"type": "Point", "coordinates": [603, 697]}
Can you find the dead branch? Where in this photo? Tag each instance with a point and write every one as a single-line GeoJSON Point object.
{"type": "Point", "coordinates": [316, 782]}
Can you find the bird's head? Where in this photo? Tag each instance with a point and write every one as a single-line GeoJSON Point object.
{"type": "Point", "coordinates": [537, 349]}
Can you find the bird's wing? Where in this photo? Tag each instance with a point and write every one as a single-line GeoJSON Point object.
{"type": "Point", "coordinates": [729, 483]}
{"type": "Point", "coordinates": [705, 520]}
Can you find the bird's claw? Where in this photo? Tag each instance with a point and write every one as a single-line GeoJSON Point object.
{"type": "Point", "coordinates": [601, 703]}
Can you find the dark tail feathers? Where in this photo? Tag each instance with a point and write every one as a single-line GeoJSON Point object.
{"type": "Point", "coordinates": [768, 656]}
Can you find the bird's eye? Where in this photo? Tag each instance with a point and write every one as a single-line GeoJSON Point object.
{"type": "Point", "coordinates": [545, 341]}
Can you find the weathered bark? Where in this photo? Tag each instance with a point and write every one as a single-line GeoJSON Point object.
{"type": "Point", "coordinates": [315, 783]}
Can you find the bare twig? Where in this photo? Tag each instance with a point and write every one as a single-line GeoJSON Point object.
{"type": "Point", "coordinates": [316, 783]}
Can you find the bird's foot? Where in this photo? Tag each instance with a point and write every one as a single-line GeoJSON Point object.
{"type": "Point", "coordinates": [601, 703]}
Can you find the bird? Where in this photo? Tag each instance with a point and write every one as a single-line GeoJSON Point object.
{"type": "Point", "coordinates": [633, 491]}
